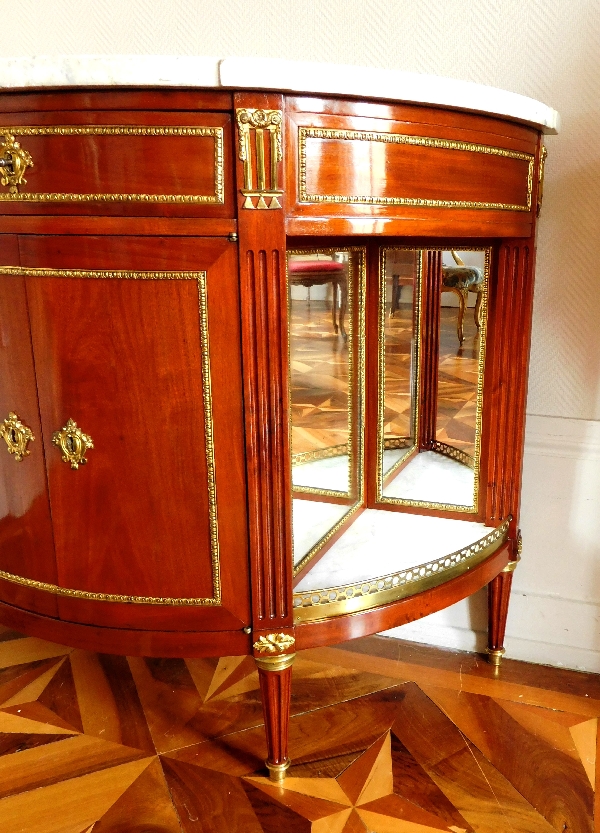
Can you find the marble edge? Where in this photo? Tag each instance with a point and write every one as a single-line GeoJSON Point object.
{"type": "Point", "coordinates": [38, 71]}
{"type": "Point", "coordinates": [45, 71]}
{"type": "Point", "coordinates": [411, 537]}
{"type": "Point", "coordinates": [325, 607]}
{"type": "Point", "coordinates": [387, 84]}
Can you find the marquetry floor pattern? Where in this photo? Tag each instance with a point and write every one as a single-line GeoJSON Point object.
{"type": "Point", "coordinates": [386, 737]}
{"type": "Point", "coordinates": [319, 378]}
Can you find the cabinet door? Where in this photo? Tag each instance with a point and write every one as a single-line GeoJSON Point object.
{"type": "Point", "coordinates": [136, 341]}
{"type": "Point", "coordinates": [26, 546]}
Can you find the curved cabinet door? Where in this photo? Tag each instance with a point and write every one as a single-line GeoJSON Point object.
{"type": "Point", "coordinates": [26, 546]}
{"type": "Point", "coordinates": [137, 357]}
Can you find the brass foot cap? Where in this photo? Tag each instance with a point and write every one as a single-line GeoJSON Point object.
{"type": "Point", "coordinates": [495, 656]}
{"type": "Point", "coordinates": [277, 771]}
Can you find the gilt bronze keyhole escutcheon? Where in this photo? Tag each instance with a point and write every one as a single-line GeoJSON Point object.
{"type": "Point", "coordinates": [16, 435]}
{"type": "Point", "coordinates": [14, 161]}
{"type": "Point", "coordinates": [73, 443]}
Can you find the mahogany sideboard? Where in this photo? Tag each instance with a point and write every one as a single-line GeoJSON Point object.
{"type": "Point", "coordinates": [173, 479]}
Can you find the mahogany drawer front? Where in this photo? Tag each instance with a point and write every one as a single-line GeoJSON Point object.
{"type": "Point", "coordinates": [144, 164]}
{"type": "Point", "coordinates": [349, 166]}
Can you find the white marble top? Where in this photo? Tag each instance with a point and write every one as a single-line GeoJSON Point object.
{"type": "Point", "coordinates": [272, 74]}
{"type": "Point", "coordinates": [379, 543]}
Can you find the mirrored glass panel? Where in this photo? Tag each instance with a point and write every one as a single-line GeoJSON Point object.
{"type": "Point", "coordinates": [441, 469]}
{"type": "Point", "coordinates": [326, 342]}
{"type": "Point", "coordinates": [398, 341]}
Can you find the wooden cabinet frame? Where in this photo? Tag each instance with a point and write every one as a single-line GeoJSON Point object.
{"type": "Point", "coordinates": [286, 179]}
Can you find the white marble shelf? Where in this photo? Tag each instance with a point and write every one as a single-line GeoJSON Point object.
{"type": "Point", "coordinates": [330, 473]}
{"type": "Point", "coordinates": [380, 542]}
{"type": "Point", "coordinates": [387, 556]}
{"type": "Point", "coordinates": [434, 478]}
{"type": "Point", "coordinates": [267, 73]}
{"type": "Point", "coordinates": [312, 519]}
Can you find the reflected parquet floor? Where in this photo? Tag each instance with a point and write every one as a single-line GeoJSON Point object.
{"type": "Point", "coordinates": [386, 737]}
{"type": "Point", "coordinates": [319, 378]}
{"type": "Point", "coordinates": [457, 382]}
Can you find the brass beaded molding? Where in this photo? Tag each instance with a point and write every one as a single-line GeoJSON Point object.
{"type": "Point", "coordinates": [302, 457]}
{"type": "Point", "coordinates": [305, 133]}
{"type": "Point", "coordinates": [453, 453]}
{"type": "Point", "coordinates": [319, 454]}
{"type": "Point", "coordinates": [363, 595]}
{"type": "Point", "coordinates": [278, 663]}
{"type": "Point", "coordinates": [200, 278]}
{"type": "Point", "coordinates": [126, 130]}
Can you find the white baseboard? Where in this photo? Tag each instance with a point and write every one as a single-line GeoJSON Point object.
{"type": "Point", "coordinates": [554, 613]}
{"type": "Point", "coordinates": [540, 629]}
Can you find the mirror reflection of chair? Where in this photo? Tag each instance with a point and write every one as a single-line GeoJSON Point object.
{"type": "Point", "coordinates": [320, 273]}
{"type": "Point", "coordinates": [461, 280]}
{"type": "Point", "coordinates": [401, 264]}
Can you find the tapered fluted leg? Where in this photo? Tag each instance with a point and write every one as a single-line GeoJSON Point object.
{"type": "Point", "coordinates": [498, 597]}
{"type": "Point", "coordinates": [275, 674]}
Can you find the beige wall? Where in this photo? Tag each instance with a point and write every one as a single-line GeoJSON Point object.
{"type": "Point", "coordinates": [549, 50]}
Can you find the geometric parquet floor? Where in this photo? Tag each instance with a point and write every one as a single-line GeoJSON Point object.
{"type": "Point", "coordinates": [385, 737]}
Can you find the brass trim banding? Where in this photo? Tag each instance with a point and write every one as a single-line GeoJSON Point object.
{"type": "Point", "coordinates": [397, 442]}
{"type": "Point", "coordinates": [314, 490]}
{"type": "Point", "coordinates": [124, 130]}
{"type": "Point", "coordinates": [319, 454]}
{"type": "Point", "coordinates": [305, 133]}
{"type": "Point", "coordinates": [353, 598]}
{"type": "Point", "coordinates": [279, 663]}
{"type": "Point", "coordinates": [200, 278]}
{"type": "Point", "coordinates": [540, 197]}
{"type": "Point", "coordinates": [453, 453]}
